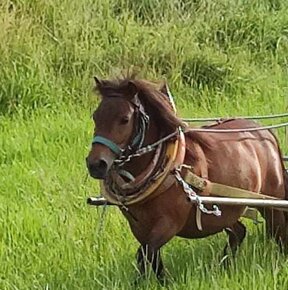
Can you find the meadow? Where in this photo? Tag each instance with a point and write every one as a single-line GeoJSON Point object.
{"type": "Point", "coordinates": [220, 58]}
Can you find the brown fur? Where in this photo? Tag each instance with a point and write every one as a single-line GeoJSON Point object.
{"type": "Point", "coordinates": [251, 161]}
{"type": "Point", "coordinates": [153, 99]}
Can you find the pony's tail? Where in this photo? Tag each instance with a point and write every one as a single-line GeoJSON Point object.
{"type": "Point", "coordinates": [286, 182]}
{"type": "Point", "coordinates": [286, 197]}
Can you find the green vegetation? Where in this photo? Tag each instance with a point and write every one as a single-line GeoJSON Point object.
{"type": "Point", "coordinates": [219, 57]}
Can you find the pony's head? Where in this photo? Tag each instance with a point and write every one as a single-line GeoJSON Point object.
{"type": "Point", "coordinates": [122, 120]}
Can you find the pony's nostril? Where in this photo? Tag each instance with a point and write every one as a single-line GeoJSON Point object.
{"type": "Point", "coordinates": [98, 169]}
{"type": "Point", "coordinates": [102, 165]}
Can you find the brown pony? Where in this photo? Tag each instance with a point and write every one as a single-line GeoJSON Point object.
{"type": "Point", "coordinates": [247, 160]}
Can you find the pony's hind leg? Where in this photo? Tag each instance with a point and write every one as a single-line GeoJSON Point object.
{"type": "Point", "coordinates": [276, 226]}
{"type": "Point", "coordinates": [236, 235]}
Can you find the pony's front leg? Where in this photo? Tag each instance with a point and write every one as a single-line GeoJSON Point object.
{"type": "Point", "coordinates": [151, 241]}
{"type": "Point", "coordinates": [146, 254]}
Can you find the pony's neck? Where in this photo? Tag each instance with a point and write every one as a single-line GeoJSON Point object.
{"type": "Point", "coordinates": [139, 164]}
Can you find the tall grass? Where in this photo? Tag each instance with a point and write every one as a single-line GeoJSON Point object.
{"type": "Point", "coordinates": [50, 49]}
{"type": "Point", "coordinates": [220, 58]}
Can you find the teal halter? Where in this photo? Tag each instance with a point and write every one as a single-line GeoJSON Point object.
{"type": "Point", "coordinates": [110, 144]}
{"type": "Point", "coordinates": [137, 141]}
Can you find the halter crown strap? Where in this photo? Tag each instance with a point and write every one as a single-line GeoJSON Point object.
{"type": "Point", "coordinates": [110, 144]}
{"type": "Point", "coordinates": [138, 140]}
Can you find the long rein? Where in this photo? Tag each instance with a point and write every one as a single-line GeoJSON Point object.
{"type": "Point", "coordinates": [263, 117]}
{"type": "Point", "coordinates": [191, 194]}
{"type": "Point", "coordinates": [143, 150]}
{"type": "Point", "coordinates": [122, 159]}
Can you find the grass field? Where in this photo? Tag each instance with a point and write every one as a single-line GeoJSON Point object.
{"type": "Point", "coordinates": [219, 57]}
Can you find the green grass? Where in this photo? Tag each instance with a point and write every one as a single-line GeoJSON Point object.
{"type": "Point", "coordinates": [51, 238]}
{"type": "Point", "coordinates": [219, 57]}
{"type": "Point", "coordinates": [49, 50]}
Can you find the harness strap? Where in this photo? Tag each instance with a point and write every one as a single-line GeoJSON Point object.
{"type": "Point", "coordinates": [174, 156]}
{"type": "Point", "coordinates": [171, 152]}
{"type": "Point", "coordinates": [126, 174]}
{"type": "Point", "coordinates": [222, 190]}
{"type": "Point", "coordinates": [143, 123]}
{"type": "Point", "coordinates": [198, 219]}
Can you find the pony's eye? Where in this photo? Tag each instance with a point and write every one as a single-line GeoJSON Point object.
{"type": "Point", "coordinates": [124, 120]}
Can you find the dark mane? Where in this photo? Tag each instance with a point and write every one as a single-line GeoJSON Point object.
{"type": "Point", "coordinates": [155, 102]}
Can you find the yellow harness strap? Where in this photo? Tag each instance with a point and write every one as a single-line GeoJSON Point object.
{"type": "Point", "coordinates": [211, 188]}
{"type": "Point", "coordinates": [217, 189]}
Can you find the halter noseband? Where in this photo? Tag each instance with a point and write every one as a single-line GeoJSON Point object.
{"type": "Point", "coordinates": [140, 130]}
{"type": "Point", "coordinates": [108, 143]}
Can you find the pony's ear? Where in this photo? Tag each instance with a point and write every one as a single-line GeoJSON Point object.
{"type": "Point", "coordinates": [99, 87]}
{"type": "Point", "coordinates": [132, 90]}
{"type": "Point", "coordinates": [98, 82]}
{"type": "Point", "coordinates": [164, 89]}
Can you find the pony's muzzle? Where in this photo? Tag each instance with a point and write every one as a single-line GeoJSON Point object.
{"type": "Point", "coordinates": [97, 169]}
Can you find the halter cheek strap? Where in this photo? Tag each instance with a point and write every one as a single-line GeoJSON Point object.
{"type": "Point", "coordinates": [110, 144]}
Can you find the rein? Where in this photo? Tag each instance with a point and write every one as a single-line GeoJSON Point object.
{"type": "Point", "coordinates": [117, 189]}
{"type": "Point", "coordinates": [146, 149]}
{"type": "Point", "coordinates": [263, 117]}
{"type": "Point", "coordinates": [240, 130]}
{"type": "Point", "coordinates": [151, 147]}
{"type": "Point", "coordinates": [124, 158]}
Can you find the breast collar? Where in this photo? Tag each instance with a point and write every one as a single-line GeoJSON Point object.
{"type": "Point", "coordinates": [153, 181]}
